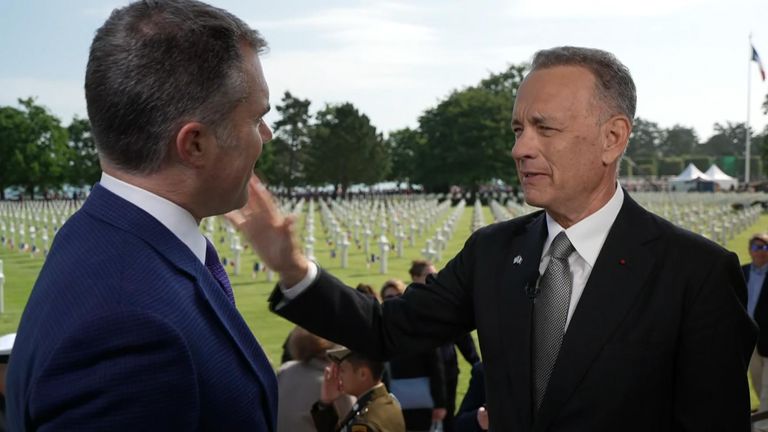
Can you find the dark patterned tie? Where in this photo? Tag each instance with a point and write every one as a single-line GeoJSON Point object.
{"type": "Point", "coordinates": [551, 313]}
{"type": "Point", "coordinates": [213, 263]}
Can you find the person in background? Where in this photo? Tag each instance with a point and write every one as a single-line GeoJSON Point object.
{"type": "Point", "coordinates": [633, 318]}
{"type": "Point", "coordinates": [356, 375]}
{"type": "Point", "coordinates": [757, 307]}
{"type": "Point", "coordinates": [473, 414]}
{"type": "Point", "coordinates": [420, 373]}
{"type": "Point", "coordinates": [299, 382]}
{"type": "Point", "coordinates": [419, 271]}
{"type": "Point", "coordinates": [132, 322]}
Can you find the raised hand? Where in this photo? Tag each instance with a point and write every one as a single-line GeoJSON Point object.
{"type": "Point", "coordinates": [271, 234]}
{"type": "Point", "coordinates": [331, 388]}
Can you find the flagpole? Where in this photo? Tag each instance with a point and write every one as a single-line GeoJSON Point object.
{"type": "Point", "coordinates": [749, 93]}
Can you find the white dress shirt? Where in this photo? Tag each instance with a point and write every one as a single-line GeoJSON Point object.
{"type": "Point", "coordinates": [179, 221]}
{"type": "Point", "coordinates": [587, 237]}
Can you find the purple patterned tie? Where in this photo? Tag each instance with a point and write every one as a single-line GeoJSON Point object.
{"type": "Point", "coordinates": [213, 263]}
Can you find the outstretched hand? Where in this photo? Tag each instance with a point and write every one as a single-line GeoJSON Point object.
{"type": "Point", "coordinates": [271, 234]}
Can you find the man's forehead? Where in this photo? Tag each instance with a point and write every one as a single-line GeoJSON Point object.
{"type": "Point", "coordinates": [546, 92]}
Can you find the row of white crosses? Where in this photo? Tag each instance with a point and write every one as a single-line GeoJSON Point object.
{"type": "Point", "coordinates": [375, 220]}
{"type": "Point", "coordinates": [23, 223]}
{"type": "Point", "coordinates": [711, 215]}
{"type": "Point", "coordinates": [478, 218]}
{"type": "Point", "coordinates": [433, 250]}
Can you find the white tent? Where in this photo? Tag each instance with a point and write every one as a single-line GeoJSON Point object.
{"type": "Point", "coordinates": [688, 179]}
{"type": "Point", "coordinates": [723, 180]}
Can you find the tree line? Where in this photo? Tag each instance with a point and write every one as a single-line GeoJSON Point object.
{"type": "Point", "coordinates": [465, 140]}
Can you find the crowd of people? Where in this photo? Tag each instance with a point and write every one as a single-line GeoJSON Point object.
{"type": "Point", "coordinates": [423, 383]}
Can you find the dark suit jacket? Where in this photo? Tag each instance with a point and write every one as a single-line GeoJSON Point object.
{"type": "Point", "coordinates": [126, 329]}
{"type": "Point", "coordinates": [761, 313]}
{"type": "Point", "coordinates": [660, 339]}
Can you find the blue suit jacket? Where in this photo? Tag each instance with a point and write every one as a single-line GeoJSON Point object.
{"type": "Point", "coordinates": [126, 329]}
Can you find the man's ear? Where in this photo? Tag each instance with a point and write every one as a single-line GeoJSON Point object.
{"type": "Point", "coordinates": [194, 143]}
{"type": "Point", "coordinates": [615, 133]}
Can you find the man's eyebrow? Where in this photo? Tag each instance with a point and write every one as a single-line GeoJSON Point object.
{"type": "Point", "coordinates": [267, 109]}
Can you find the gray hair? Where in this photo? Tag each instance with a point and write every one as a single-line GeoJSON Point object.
{"type": "Point", "coordinates": [157, 64]}
{"type": "Point", "coordinates": [614, 83]}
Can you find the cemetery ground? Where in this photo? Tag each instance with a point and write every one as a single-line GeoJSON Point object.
{"type": "Point", "coordinates": [21, 270]}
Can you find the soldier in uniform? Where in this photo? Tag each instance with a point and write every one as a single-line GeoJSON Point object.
{"type": "Point", "coordinates": [375, 410]}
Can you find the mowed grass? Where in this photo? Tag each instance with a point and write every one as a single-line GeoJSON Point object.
{"type": "Point", "coordinates": [251, 294]}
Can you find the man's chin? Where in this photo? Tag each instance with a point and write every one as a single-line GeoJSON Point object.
{"type": "Point", "coordinates": [533, 199]}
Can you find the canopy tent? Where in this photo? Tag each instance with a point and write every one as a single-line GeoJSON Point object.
{"type": "Point", "coordinates": [690, 178]}
{"type": "Point", "coordinates": [723, 180]}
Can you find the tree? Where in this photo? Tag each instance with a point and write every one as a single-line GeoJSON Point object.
{"type": "Point", "coordinates": [345, 148]}
{"type": "Point", "coordinates": [406, 147]}
{"type": "Point", "coordinates": [45, 150]}
{"type": "Point", "coordinates": [678, 141]}
{"type": "Point", "coordinates": [14, 131]}
{"type": "Point", "coordinates": [468, 140]}
{"type": "Point", "coordinates": [645, 140]}
{"type": "Point", "coordinates": [36, 147]}
{"type": "Point", "coordinates": [286, 157]}
{"type": "Point", "coordinates": [729, 140]}
{"type": "Point", "coordinates": [83, 166]}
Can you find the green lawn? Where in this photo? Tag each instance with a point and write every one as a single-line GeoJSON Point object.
{"type": "Point", "coordinates": [271, 330]}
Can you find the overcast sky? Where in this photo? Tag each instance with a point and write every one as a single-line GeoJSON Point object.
{"type": "Point", "coordinates": [394, 59]}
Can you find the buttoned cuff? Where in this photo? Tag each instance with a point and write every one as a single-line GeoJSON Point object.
{"type": "Point", "coordinates": [292, 292]}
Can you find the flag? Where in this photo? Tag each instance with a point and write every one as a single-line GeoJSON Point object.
{"type": "Point", "coordinates": [756, 59]}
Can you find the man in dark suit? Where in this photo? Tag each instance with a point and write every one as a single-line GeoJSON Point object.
{"type": "Point", "coordinates": [132, 324]}
{"type": "Point", "coordinates": [593, 314]}
{"type": "Point", "coordinates": [757, 306]}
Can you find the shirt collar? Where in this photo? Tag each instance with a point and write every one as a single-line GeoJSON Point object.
{"type": "Point", "coordinates": [758, 270]}
{"type": "Point", "coordinates": [588, 235]}
{"type": "Point", "coordinates": [179, 221]}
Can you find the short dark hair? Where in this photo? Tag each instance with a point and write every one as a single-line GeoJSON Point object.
{"type": "Point", "coordinates": [615, 86]}
{"type": "Point", "coordinates": [358, 360]}
{"type": "Point", "coordinates": [418, 267]}
{"type": "Point", "coordinates": [156, 64]}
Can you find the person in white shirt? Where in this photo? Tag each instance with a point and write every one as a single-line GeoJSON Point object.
{"type": "Point", "coordinates": [592, 315]}
{"type": "Point", "coordinates": [132, 323]}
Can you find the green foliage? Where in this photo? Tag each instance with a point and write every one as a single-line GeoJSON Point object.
{"type": "Point", "coordinates": [729, 139]}
{"type": "Point", "coordinates": [285, 159]}
{"type": "Point", "coordinates": [670, 166]}
{"type": "Point", "coordinates": [645, 140]}
{"type": "Point", "coordinates": [14, 131]}
{"type": "Point", "coordinates": [37, 147]}
{"type": "Point", "coordinates": [83, 165]}
{"type": "Point", "coordinates": [678, 140]}
{"type": "Point", "coordinates": [701, 162]}
{"type": "Point", "coordinates": [468, 140]}
{"type": "Point", "coordinates": [344, 148]}
{"type": "Point", "coordinates": [406, 148]}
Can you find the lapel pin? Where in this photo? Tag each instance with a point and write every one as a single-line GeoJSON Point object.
{"type": "Point", "coordinates": [518, 260]}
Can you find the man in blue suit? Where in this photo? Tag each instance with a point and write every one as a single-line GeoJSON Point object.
{"type": "Point", "coordinates": [132, 323]}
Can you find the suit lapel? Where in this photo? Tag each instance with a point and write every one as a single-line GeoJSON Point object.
{"type": "Point", "coordinates": [615, 281]}
{"type": "Point", "coordinates": [112, 209]}
{"type": "Point", "coordinates": [519, 266]}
